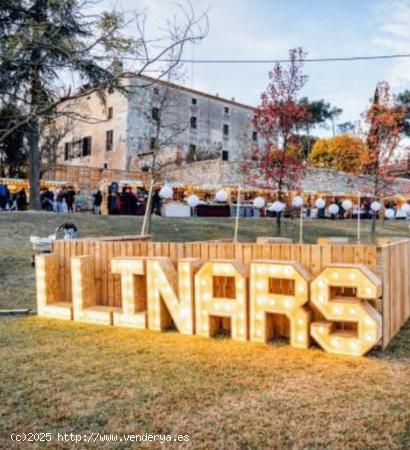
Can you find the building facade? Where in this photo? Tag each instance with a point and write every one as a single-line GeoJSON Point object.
{"type": "Point", "coordinates": [122, 133]}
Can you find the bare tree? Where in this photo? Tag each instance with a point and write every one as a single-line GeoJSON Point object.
{"type": "Point", "coordinates": [164, 111]}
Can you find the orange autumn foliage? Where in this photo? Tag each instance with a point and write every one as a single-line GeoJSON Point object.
{"type": "Point", "coordinates": [345, 153]}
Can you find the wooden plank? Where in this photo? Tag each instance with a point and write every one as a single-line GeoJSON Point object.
{"type": "Point", "coordinates": [110, 277]}
{"type": "Point", "coordinates": [59, 249]}
{"type": "Point", "coordinates": [295, 251]}
{"type": "Point", "coordinates": [305, 255]}
{"type": "Point", "coordinates": [67, 253]}
{"type": "Point", "coordinates": [119, 250]}
{"type": "Point", "coordinates": [204, 252]}
{"type": "Point", "coordinates": [275, 251]}
{"type": "Point", "coordinates": [247, 253]}
{"type": "Point", "coordinates": [315, 259]}
{"type": "Point", "coordinates": [348, 253]}
{"type": "Point", "coordinates": [104, 272]}
{"type": "Point", "coordinates": [359, 254]}
{"type": "Point", "coordinates": [97, 261]}
{"type": "Point", "coordinates": [285, 251]}
{"type": "Point", "coordinates": [326, 256]}
{"type": "Point", "coordinates": [238, 249]}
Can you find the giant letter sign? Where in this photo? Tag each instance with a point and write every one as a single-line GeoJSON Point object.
{"type": "Point", "coordinates": [157, 294]}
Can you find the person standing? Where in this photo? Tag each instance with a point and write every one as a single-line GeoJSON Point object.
{"type": "Point", "coordinates": [156, 204]}
{"type": "Point", "coordinates": [79, 202]}
{"type": "Point", "coordinates": [70, 199]}
{"type": "Point", "coordinates": [97, 200]}
{"type": "Point", "coordinates": [22, 200]}
{"type": "Point", "coordinates": [4, 196]}
{"type": "Point", "coordinates": [60, 196]}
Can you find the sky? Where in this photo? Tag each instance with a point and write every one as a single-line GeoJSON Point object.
{"type": "Point", "coordinates": [267, 29]}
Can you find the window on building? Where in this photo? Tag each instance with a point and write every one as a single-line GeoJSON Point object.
{"type": "Point", "coordinates": [225, 129]}
{"type": "Point", "coordinates": [105, 166]}
{"type": "Point", "coordinates": [156, 90]}
{"type": "Point", "coordinates": [155, 114]}
{"type": "Point", "coordinates": [110, 113]}
{"type": "Point", "coordinates": [152, 143]}
{"type": "Point", "coordinates": [67, 151]}
{"type": "Point", "coordinates": [86, 150]}
{"type": "Point", "coordinates": [194, 101]}
{"type": "Point", "coordinates": [109, 140]}
{"type": "Point", "coordinates": [193, 122]}
{"type": "Point", "coordinates": [225, 155]}
{"type": "Point", "coordinates": [226, 110]}
{"type": "Point", "coordinates": [76, 149]}
{"type": "Point", "coordinates": [254, 136]}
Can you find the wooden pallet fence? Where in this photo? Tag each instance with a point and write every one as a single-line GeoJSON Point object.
{"type": "Point", "coordinates": [390, 262]}
{"type": "Point", "coordinates": [90, 177]}
{"type": "Point", "coordinates": [394, 268]}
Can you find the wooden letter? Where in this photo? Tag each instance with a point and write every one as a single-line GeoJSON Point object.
{"type": "Point", "coordinates": [49, 302]}
{"type": "Point", "coordinates": [133, 293]}
{"type": "Point", "coordinates": [347, 309]}
{"type": "Point", "coordinates": [85, 305]}
{"type": "Point", "coordinates": [291, 304]}
{"type": "Point", "coordinates": [163, 284]}
{"type": "Point", "coordinates": [208, 306]}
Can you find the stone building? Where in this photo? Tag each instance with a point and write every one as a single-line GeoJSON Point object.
{"type": "Point", "coordinates": [122, 133]}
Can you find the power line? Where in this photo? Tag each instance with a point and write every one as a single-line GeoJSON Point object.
{"type": "Point", "coordinates": [266, 61]}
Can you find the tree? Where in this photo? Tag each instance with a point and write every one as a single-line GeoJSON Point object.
{"type": "Point", "coordinates": [318, 113]}
{"type": "Point", "coordinates": [333, 113]}
{"type": "Point", "coordinates": [346, 127]}
{"type": "Point", "coordinates": [13, 149]}
{"type": "Point", "coordinates": [277, 120]}
{"type": "Point", "coordinates": [164, 125]}
{"type": "Point", "coordinates": [344, 153]}
{"type": "Point", "coordinates": [385, 119]}
{"type": "Point", "coordinates": [164, 128]}
{"type": "Point", "coordinates": [46, 43]}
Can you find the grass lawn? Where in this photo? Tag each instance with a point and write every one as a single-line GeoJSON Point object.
{"type": "Point", "coordinates": [69, 377]}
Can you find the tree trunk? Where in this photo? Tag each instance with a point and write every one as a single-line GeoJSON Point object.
{"type": "Point", "coordinates": [35, 106]}
{"type": "Point", "coordinates": [373, 230]}
{"type": "Point", "coordinates": [278, 223]}
{"type": "Point", "coordinates": [279, 214]}
{"type": "Point", "coordinates": [148, 225]}
{"type": "Point", "coordinates": [35, 164]}
{"type": "Point", "coordinates": [148, 206]}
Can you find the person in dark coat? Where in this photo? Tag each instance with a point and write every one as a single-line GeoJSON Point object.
{"type": "Point", "coordinates": [70, 199]}
{"type": "Point", "coordinates": [97, 201]}
{"type": "Point", "coordinates": [4, 196]}
{"type": "Point", "coordinates": [22, 200]}
{"type": "Point", "coordinates": [156, 203]}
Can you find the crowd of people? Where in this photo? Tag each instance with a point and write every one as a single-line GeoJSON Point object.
{"type": "Point", "coordinates": [132, 203]}
{"type": "Point", "coordinates": [16, 201]}
{"type": "Point", "coordinates": [67, 199]}
{"type": "Point", "coordinates": [63, 200]}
